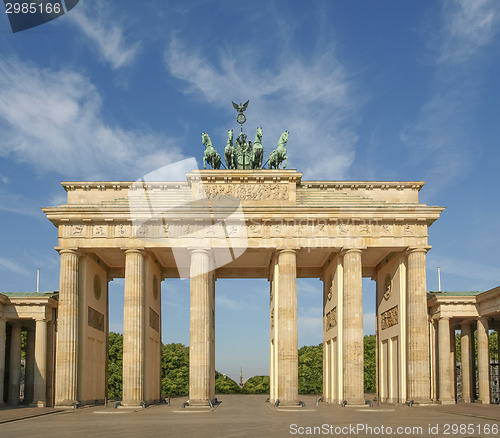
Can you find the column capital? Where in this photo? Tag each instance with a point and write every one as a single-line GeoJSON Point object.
{"type": "Point", "coordinates": [422, 249]}
{"type": "Point", "coordinates": [134, 251]}
{"type": "Point", "coordinates": [286, 250]}
{"type": "Point", "coordinates": [352, 250]}
{"type": "Point", "coordinates": [200, 251]}
{"type": "Point", "coordinates": [444, 318]}
{"type": "Point", "coordinates": [74, 251]}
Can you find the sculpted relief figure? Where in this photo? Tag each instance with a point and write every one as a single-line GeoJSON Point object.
{"type": "Point", "coordinates": [229, 151]}
{"type": "Point", "coordinates": [257, 150]}
{"type": "Point", "coordinates": [242, 153]}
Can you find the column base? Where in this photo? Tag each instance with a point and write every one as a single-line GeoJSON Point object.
{"type": "Point", "coordinates": [483, 402]}
{"type": "Point", "coordinates": [446, 402]}
{"type": "Point", "coordinates": [198, 403]}
{"type": "Point", "coordinates": [132, 403]}
{"type": "Point", "coordinates": [38, 404]}
{"type": "Point", "coordinates": [356, 403]}
{"type": "Point", "coordinates": [289, 404]}
{"type": "Point", "coordinates": [421, 402]}
{"type": "Point", "coordinates": [67, 404]}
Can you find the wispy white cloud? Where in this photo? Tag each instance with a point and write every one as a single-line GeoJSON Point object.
{"type": "Point", "coordinates": [58, 199]}
{"type": "Point", "coordinates": [106, 32]}
{"type": "Point", "coordinates": [309, 287]}
{"type": "Point", "coordinates": [468, 26]}
{"type": "Point", "coordinates": [12, 266]}
{"type": "Point", "coordinates": [443, 137]}
{"type": "Point", "coordinates": [15, 203]}
{"type": "Point", "coordinates": [4, 179]}
{"type": "Point", "coordinates": [228, 303]}
{"type": "Point", "coordinates": [312, 98]}
{"type": "Point", "coordinates": [310, 325]}
{"type": "Point", "coordinates": [53, 120]}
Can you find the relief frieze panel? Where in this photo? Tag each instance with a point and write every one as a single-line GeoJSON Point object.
{"type": "Point", "coordinates": [271, 191]}
{"type": "Point", "coordinates": [78, 231]}
{"type": "Point", "coordinates": [331, 319]}
{"type": "Point", "coordinates": [122, 230]}
{"type": "Point", "coordinates": [100, 231]}
{"type": "Point", "coordinates": [389, 318]}
{"type": "Point", "coordinates": [95, 319]}
{"type": "Point", "coordinates": [252, 228]}
{"type": "Point", "coordinates": [154, 320]}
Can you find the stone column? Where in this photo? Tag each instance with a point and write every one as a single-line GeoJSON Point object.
{"type": "Point", "coordinates": [287, 329]}
{"type": "Point", "coordinates": [29, 366]}
{"type": "Point", "coordinates": [15, 364]}
{"type": "Point", "coordinates": [483, 360]}
{"type": "Point", "coordinates": [466, 340]}
{"type": "Point", "coordinates": [201, 388]}
{"type": "Point", "coordinates": [3, 333]}
{"type": "Point", "coordinates": [418, 372]}
{"type": "Point", "coordinates": [40, 382]}
{"type": "Point", "coordinates": [444, 371]}
{"type": "Point", "coordinates": [353, 328]}
{"type": "Point", "coordinates": [133, 329]}
{"type": "Point", "coordinates": [67, 336]}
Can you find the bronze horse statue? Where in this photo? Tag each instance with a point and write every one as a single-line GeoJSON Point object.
{"type": "Point", "coordinates": [279, 154]}
{"type": "Point", "coordinates": [211, 156]}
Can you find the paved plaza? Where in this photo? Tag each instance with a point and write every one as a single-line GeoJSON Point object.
{"type": "Point", "coordinates": [250, 416]}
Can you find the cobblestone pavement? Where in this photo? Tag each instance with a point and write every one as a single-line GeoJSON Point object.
{"type": "Point", "coordinates": [250, 416]}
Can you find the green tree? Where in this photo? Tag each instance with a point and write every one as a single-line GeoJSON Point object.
{"type": "Point", "coordinates": [369, 363]}
{"type": "Point", "coordinates": [257, 385]}
{"type": "Point", "coordinates": [175, 370]}
{"type": "Point", "coordinates": [225, 385]}
{"type": "Point", "coordinates": [311, 369]}
{"type": "Point", "coordinates": [115, 365]}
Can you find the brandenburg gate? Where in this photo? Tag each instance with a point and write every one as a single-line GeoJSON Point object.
{"type": "Point", "coordinates": [243, 223]}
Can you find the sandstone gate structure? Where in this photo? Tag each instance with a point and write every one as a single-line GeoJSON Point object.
{"type": "Point", "coordinates": [337, 231]}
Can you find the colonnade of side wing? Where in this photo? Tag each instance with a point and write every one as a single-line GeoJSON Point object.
{"type": "Point", "coordinates": [474, 367]}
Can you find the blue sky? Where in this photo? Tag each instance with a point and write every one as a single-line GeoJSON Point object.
{"type": "Point", "coordinates": [369, 90]}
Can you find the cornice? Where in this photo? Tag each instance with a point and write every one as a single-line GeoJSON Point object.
{"type": "Point", "coordinates": [225, 176]}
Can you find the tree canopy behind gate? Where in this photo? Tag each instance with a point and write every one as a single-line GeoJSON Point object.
{"type": "Point", "coordinates": [175, 370]}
